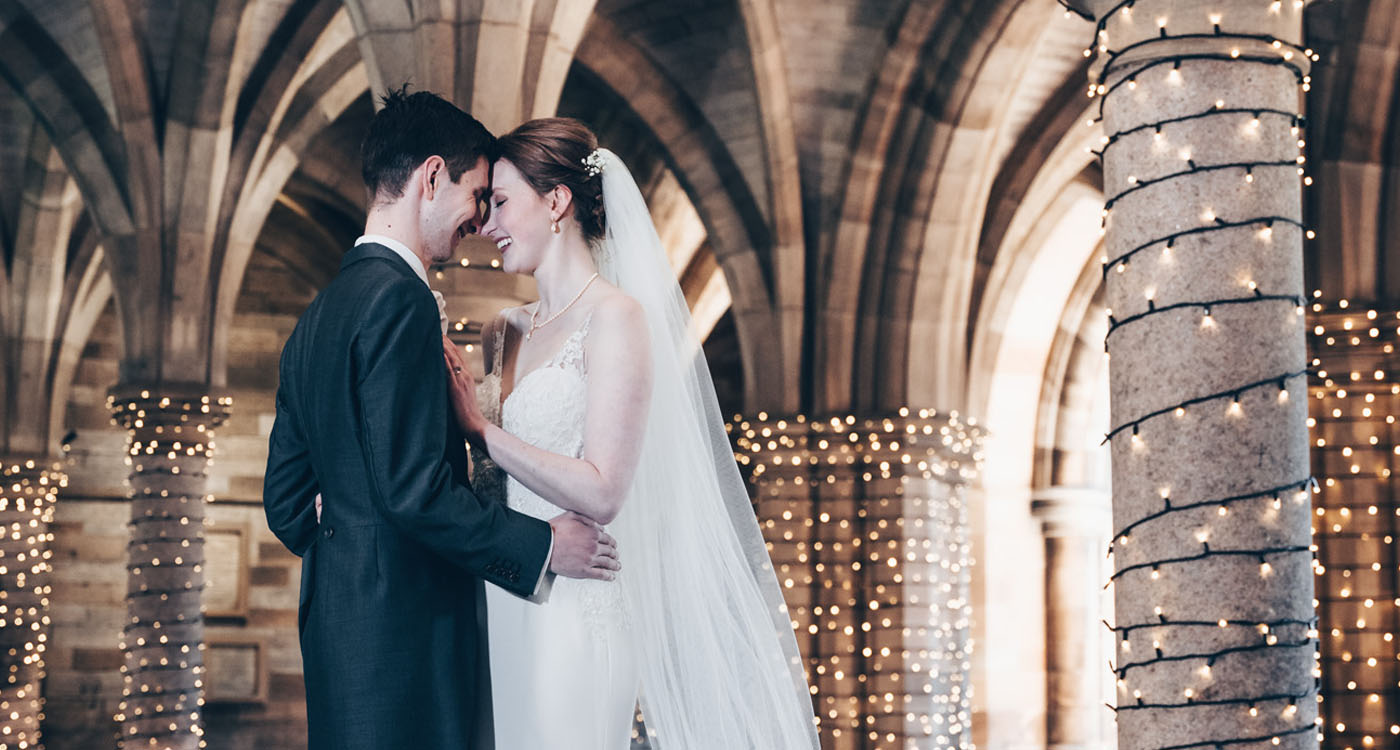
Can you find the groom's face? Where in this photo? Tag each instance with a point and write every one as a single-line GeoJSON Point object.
{"type": "Point", "coordinates": [451, 210]}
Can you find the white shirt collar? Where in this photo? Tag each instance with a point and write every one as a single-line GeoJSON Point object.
{"type": "Point", "coordinates": [408, 255]}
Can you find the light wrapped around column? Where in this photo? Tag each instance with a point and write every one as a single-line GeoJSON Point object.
{"type": "Point", "coordinates": [27, 498]}
{"type": "Point", "coordinates": [1203, 173]}
{"type": "Point", "coordinates": [867, 528]}
{"type": "Point", "coordinates": [1356, 446]}
{"type": "Point", "coordinates": [170, 446]}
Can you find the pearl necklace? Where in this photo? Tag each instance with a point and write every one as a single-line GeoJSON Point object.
{"type": "Point", "coordinates": [536, 326]}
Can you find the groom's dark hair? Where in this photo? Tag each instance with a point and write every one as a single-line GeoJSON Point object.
{"type": "Point", "coordinates": [407, 130]}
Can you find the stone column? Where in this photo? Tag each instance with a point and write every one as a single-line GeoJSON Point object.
{"type": "Point", "coordinates": [868, 532]}
{"type": "Point", "coordinates": [171, 442]}
{"type": "Point", "coordinates": [1075, 521]}
{"type": "Point", "coordinates": [1213, 582]}
{"type": "Point", "coordinates": [27, 495]}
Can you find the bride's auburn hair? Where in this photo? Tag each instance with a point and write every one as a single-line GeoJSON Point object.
{"type": "Point", "coordinates": [550, 151]}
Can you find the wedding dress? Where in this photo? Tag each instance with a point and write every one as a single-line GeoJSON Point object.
{"type": "Point", "coordinates": [563, 674]}
{"type": "Point", "coordinates": [694, 630]}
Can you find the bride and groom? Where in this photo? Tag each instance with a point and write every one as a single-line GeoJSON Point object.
{"type": "Point", "coordinates": [595, 436]}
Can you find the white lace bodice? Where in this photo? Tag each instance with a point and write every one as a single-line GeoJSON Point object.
{"type": "Point", "coordinates": [546, 409]}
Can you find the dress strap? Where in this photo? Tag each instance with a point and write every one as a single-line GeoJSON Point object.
{"type": "Point", "coordinates": [587, 319]}
{"type": "Point", "coordinates": [571, 353]}
{"type": "Point", "coordinates": [498, 344]}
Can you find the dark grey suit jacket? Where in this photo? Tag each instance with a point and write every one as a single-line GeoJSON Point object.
{"type": "Point", "coordinates": [388, 613]}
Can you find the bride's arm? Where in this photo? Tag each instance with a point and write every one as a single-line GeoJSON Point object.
{"type": "Point", "coordinates": [618, 358]}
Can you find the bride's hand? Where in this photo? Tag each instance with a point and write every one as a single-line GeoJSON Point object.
{"type": "Point", "coordinates": [461, 390]}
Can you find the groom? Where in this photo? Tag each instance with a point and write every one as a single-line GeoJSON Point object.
{"type": "Point", "coordinates": [387, 617]}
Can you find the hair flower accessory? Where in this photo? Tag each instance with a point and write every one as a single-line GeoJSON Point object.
{"type": "Point", "coordinates": [593, 163]}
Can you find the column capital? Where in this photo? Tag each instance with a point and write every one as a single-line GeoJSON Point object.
{"type": "Point", "coordinates": [909, 442]}
{"type": "Point", "coordinates": [152, 408]}
{"type": "Point", "coordinates": [1072, 511]}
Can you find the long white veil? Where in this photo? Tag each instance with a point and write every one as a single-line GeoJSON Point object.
{"type": "Point", "coordinates": [719, 663]}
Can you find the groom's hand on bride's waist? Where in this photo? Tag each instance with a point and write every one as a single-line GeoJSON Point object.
{"type": "Point", "coordinates": [582, 549]}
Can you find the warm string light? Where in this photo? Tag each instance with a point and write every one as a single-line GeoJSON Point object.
{"type": "Point", "coordinates": [440, 269]}
{"type": "Point", "coordinates": [1179, 410]}
{"type": "Point", "coordinates": [1193, 168]}
{"type": "Point", "coordinates": [1299, 490]}
{"type": "Point", "coordinates": [170, 446]}
{"type": "Point", "coordinates": [1290, 699]}
{"type": "Point", "coordinates": [1261, 554]}
{"type": "Point", "coordinates": [28, 491]}
{"type": "Point", "coordinates": [1071, 10]}
{"type": "Point", "coordinates": [1273, 52]}
{"type": "Point", "coordinates": [1274, 738]}
{"type": "Point", "coordinates": [1355, 400]}
{"type": "Point", "coordinates": [1205, 307]}
{"type": "Point", "coordinates": [867, 530]}
{"type": "Point", "coordinates": [1175, 77]}
{"type": "Point", "coordinates": [1295, 120]}
{"type": "Point", "coordinates": [1268, 641]}
{"type": "Point", "coordinates": [1218, 224]}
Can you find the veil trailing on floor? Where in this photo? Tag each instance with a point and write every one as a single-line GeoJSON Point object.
{"type": "Point", "coordinates": [718, 661]}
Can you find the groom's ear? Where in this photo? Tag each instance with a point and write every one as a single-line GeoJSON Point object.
{"type": "Point", "coordinates": [431, 174]}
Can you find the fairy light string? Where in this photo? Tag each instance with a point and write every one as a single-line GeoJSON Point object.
{"type": "Point", "coordinates": [1295, 120]}
{"type": "Point", "coordinates": [1292, 699]}
{"type": "Point", "coordinates": [1210, 658]}
{"type": "Point", "coordinates": [1259, 739]}
{"type": "Point", "coordinates": [1169, 507]}
{"type": "Point", "coordinates": [1280, 382]}
{"type": "Point", "coordinates": [1262, 554]}
{"type": "Point", "coordinates": [1247, 167]}
{"type": "Point", "coordinates": [1168, 242]}
{"type": "Point", "coordinates": [1205, 307]}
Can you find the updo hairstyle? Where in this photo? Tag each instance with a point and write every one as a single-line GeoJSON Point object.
{"type": "Point", "coordinates": [550, 151]}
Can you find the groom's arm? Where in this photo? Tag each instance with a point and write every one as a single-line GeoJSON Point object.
{"type": "Point", "coordinates": [402, 396]}
{"type": "Point", "coordinates": [289, 484]}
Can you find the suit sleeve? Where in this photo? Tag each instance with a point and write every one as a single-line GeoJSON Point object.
{"type": "Point", "coordinates": [402, 399]}
{"type": "Point", "coordinates": [289, 484]}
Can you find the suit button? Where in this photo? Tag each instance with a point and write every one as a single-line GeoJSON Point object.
{"type": "Point", "coordinates": [330, 532]}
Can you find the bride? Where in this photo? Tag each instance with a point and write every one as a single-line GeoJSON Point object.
{"type": "Point", "coordinates": [596, 400]}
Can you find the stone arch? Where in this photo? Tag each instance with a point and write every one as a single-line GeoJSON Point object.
{"type": "Point", "coordinates": [903, 267]}
{"type": "Point", "coordinates": [322, 82]}
{"type": "Point", "coordinates": [733, 220]}
{"type": "Point", "coordinates": [1074, 393]}
{"type": "Point", "coordinates": [1356, 255]}
{"type": "Point", "coordinates": [1034, 306]}
{"type": "Point", "coordinates": [53, 293]}
{"type": "Point", "coordinates": [841, 262]}
{"type": "Point", "coordinates": [89, 291]}
{"type": "Point", "coordinates": [933, 290]}
{"type": "Point", "coordinates": [64, 102]}
{"type": "Point", "coordinates": [506, 62]}
{"type": "Point", "coordinates": [34, 300]}
{"type": "Point", "coordinates": [1040, 168]}
{"type": "Point", "coordinates": [784, 180]}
